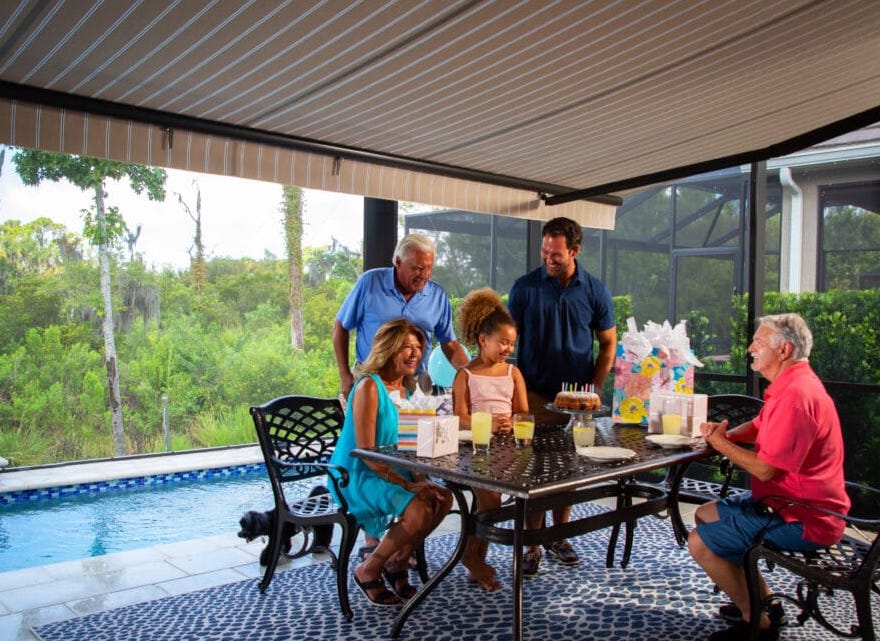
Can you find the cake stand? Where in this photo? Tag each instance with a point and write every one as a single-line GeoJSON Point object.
{"type": "Point", "coordinates": [578, 417]}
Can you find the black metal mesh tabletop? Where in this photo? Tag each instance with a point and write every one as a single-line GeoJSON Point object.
{"type": "Point", "coordinates": [550, 465]}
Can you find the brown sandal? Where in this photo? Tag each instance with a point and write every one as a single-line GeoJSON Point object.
{"type": "Point", "coordinates": [399, 582]}
{"type": "Point", "coordinates": [385, 598]}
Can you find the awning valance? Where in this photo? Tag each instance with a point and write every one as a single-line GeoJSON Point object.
{"type": "Point", "coordinates": [35, 126]}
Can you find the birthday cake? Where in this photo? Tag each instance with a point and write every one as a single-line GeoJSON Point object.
{"type": "Point", "coordinates": [577, 400]}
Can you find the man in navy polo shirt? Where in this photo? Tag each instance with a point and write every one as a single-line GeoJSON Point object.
{"type": "Point", "coordinates": [402, 291]}
{"type": "Point", "coordinates": [559, 309]}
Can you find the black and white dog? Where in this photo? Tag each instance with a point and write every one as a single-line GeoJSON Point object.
{"type": "Point", "coordinates": [254, 524]}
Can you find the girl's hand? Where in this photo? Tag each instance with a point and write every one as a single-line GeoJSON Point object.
{"type": "Point", "coordinates": [502, 424]}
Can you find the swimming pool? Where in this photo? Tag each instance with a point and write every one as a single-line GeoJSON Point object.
{"type": "Point", "coordinates": [50, 525]}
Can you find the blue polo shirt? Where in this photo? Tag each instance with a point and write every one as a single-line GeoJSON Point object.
{"type": "Point", "coordinates": [375, 300]}
{"type": "Point", "coordinates": [556, 327]}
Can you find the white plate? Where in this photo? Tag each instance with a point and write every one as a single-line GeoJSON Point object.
{"type": "Point", "coordinates": [464, 435]}
{"type": "Point", "coordinates": [670, 441]}
{"type": "Point", "coordinates": [606, 453]}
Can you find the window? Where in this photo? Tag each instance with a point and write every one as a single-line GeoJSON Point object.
{"type": "Point", "coordinates": [849, 257]}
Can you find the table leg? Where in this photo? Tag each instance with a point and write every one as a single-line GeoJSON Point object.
{"type": "Point", "coordinates": [678, 527]}
{"type": "Point", "coordinates": [519, 521]}
{"type": "Point", "coordinates": [467, 530]}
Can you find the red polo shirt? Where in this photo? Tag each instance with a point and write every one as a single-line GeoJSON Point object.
{"type": "Point", "coordinates": [799, 434]}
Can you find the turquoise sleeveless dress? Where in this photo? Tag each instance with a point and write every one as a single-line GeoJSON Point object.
{"type": "Point", "coordinates": [373, 501]}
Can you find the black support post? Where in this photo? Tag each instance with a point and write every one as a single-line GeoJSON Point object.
{"type": "Point", "coordinates": [755, 259]}
{"type": "Point", "coordinates": [533, 244]}
{"type": "Point", "coordinates": [380, 232]}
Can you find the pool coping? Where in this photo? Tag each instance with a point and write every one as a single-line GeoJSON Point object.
{"type": "Point", "coordinates": [85, 472]}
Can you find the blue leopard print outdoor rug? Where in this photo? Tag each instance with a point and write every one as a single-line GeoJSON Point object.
{"type": "Point", "coordinates": [661, 595]}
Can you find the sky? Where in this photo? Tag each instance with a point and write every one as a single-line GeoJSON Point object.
{"type": "Point", "coordinates": [240, 217]}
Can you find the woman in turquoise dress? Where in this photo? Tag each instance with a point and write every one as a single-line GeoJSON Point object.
{"type": "Point", "coordinates": [389, 504]}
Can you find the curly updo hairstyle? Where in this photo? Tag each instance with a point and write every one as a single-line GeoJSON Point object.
{"type": "Point", "coordinates": [482, 312]}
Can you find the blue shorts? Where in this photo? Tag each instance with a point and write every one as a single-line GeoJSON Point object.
{"type": "Point", "coordinates": [742, 522]}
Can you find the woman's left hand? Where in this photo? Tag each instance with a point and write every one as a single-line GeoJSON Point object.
{"type": "Point", "coordinates": [430, 492]}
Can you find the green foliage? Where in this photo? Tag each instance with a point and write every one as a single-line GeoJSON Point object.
{"type": "Point", "coordinates": [88, 174]}
{"type": "Point", "coordinates": [213, 352]}
{"type": "Point", "coordinates": [218, 429]}
{"type": "Point", "coordinates": [23, 446]}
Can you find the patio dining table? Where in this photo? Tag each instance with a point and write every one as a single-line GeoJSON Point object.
{"type": "Point", "coordinates": [547, 474]}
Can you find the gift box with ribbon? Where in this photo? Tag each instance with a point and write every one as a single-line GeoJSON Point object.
{"type": "Point", "coordinates": [419, 406]}
{"type": "Point", "coordinates": [437, 436]}
{"type": "Point", "coordinates": [408, 427]}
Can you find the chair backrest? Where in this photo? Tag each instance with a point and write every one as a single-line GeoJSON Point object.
{"type": "Point", "coordinates": [736, 408]}
{"type": "Point", "coordinates": [864, 524]}
{"type": "Point", "coordinates": [298, 429]}
{"type": "Point", "coordinates": [720, 473]}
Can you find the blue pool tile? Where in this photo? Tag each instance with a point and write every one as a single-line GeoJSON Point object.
{"type": "Point", "coordinates": [116, 485]}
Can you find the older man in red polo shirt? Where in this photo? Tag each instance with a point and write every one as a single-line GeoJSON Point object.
{"type": "Point", "coordinates": [798, 454]}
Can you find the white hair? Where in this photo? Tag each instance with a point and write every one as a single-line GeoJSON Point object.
{"type": "Point", "coordinates": [793, 329]}
{"type": "Point", "coordinates": [411, 243]}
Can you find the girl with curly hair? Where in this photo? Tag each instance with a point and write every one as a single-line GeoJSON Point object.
{"type": "Point", "coordinates": [488, 379]}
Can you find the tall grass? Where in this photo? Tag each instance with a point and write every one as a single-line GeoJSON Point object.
{"type": "Point", "coordinates": [226, 427]}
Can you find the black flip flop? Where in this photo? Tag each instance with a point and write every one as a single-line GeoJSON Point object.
{"type": "Point", "coordinates": [385, 599]}
{"type": "Point", "coordinates": [365, 551]}
{"type": "Point", "coordinates": [393, 578]}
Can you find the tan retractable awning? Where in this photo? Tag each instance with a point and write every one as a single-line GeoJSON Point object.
{"type": "Point", "coordinates": [30, 125]}
{"type": "Point", "coordinates": [474, 104]}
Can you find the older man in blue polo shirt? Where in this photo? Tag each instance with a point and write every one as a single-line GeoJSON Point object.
{"type": "Point", "coordinates": [402, 291]}
{"type": "Point", "coordinates": [559, 308]}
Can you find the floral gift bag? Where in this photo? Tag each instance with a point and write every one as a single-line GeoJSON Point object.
{"type": "Point", "coordinates": [657, 359]}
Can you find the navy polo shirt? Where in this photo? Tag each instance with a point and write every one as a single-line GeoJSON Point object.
{"type": "Point", "coordinates": [556, 327]}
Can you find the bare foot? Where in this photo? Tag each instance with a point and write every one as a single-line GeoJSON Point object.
{"type": "Point", "coordinates": [482, 574]}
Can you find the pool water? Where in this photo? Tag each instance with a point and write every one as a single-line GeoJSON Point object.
{"type": "Point", "coordinates": [51, 530]}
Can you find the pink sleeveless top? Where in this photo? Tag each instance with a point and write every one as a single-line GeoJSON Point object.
{"type": "Point", "coordinates": [496, 391]}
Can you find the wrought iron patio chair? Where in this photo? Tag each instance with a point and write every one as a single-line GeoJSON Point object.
{"type": "Point", "coordinates": [716, 477]}
{"type": "Point", "coordinates": [850, 566]}
{"type": "Point", "coordinates": [297, 435]}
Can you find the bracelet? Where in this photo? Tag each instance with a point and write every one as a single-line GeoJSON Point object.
{"type": "Point", "coordinates": [388, 475]}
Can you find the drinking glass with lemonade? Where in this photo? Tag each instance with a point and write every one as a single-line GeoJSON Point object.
{"type": "Point", "coordinates": [523, 429]}
{"type": "Point", "coordinates": [584, 432]}
{"type": "Point", "coordinates": [481, 428]}
{"type": "Point", "coordinates": [671, 417]}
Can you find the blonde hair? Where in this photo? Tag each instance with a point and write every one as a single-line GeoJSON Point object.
{"type": "Point", "coordinates": [482, 312]}
{"type": "Point", "coordinates": [388, 340]}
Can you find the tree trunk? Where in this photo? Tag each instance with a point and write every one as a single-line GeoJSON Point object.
{"type": "Point", "coordinates": [293, 230]}
{"type": "Point", "coordinates": [199, 268]}
{"type": "Point", "coordinates": [119, 445]}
